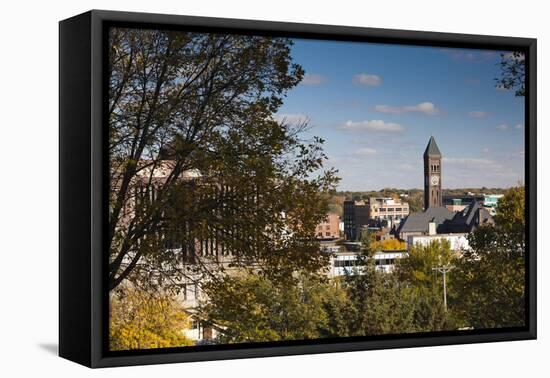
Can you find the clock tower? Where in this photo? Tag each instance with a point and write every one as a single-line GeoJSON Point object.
{"type": "Point", "coordinates": [432, 175]}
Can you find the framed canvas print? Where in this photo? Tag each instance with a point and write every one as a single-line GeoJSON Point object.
{"type": "Point", "coordinates": [234, 188]}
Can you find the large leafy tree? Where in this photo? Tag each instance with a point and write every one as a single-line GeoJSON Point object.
{"type": "Point", "coordinates": [379, 303]}
{"type": "Point", "coordinates": [198, 162]}
{"type": "Point", "coordinates": [140, 320]}
{"type": "Point", "coordinates": [419, 273]}
{"type": "Point", "coordinates": [254, 308]}
{"type": "Point", "coordinates": [422, 259]}
{"type": "Point", "coordinates": [490, 279]}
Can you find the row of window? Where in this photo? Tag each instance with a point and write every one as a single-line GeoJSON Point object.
{"type": "Point", "coordinates": [349, 263]}
{"type": "Point", "coordinates": [390, 217]}
{"type": "Point", "coordinates": [345, 263]}
{"type": "Point", "coordinates": [391, 209]}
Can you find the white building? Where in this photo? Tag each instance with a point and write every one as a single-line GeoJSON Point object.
{"type": "Point", "coordinates": [458, 242]}
{"type": "Point", "coordinates": [346, 263]}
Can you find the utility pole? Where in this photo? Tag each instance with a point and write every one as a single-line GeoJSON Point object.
{"type": "Point", "coordinates": [443, 270]}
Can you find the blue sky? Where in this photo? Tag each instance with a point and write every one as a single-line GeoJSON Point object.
{"type": "Point", "coordinates": [377, 105]}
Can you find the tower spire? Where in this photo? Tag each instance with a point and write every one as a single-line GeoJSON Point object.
{"type": "Point", "coordinates": [432, 175]}
{"type": "Point", "coordinates": [432, 148]}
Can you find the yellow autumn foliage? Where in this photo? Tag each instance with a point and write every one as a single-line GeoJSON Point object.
{"type": "Point", "coordinates": [388, 245]}
{"type": "Point", "coordinates": [140, 320]}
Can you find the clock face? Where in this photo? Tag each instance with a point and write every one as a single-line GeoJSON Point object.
{"type": "Point", "coordinates": [435, 180]}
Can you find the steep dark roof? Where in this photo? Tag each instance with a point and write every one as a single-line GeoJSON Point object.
{"type": "Point", "coordinates": [447, 221]}
{"type": "Point", "coordinates": [467, 219]}
{"type": "Point", "coordinates": [419, 222]}
{"type": "Point", "coordinates": [431, 148]}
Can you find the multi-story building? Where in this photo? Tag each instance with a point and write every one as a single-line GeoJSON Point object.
{"type": "Point", "coordinates": [329, 228]}
{"type": "Point", "coordinates": [455, 204]}
{"type": "Point", "coordinates": [378, 212]}
{"type": "Point", "coordinates": [459, 203]}
{"type": "Point", "coordinates": [490, 202]}
{"type": "Point", "coordinates": [457, 242]}
{"type": "Point", "coordinates": [390, 209]}
{"type": "Point", "coordinates": [440, 220]}
{"type": "Point", "coordinates": [348, 263]}
{"type": "Point", "coordinates": [356, 217]}
{"type": "Point", "coordinates": [456, 215]}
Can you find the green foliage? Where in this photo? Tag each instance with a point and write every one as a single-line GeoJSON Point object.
{"type": "Point", "coordinates": [379, 304]}
{"type": "Point", "coordinates": [485, 289]}
{"type": "Point", "coordinates": [414, 197]}
{"type": "Point", "coordinates": [510, 216]}
{"type": "Point", "coordinates": [490, 278]}
{"type": "Point", "coordinates": [512, 73]}
{"type": "Point", "coordinates": [209, 101]}
{"type": "Point", "coordinates": [418, 266]}
{"type": "Point", "coordinates": [252, 308]}
{"type": "Point", "coordinates": [408, 299]}
{"type": "Point", "coordinates": [139, 320]}
{"type": "Point", "coordinates": [395, 302]}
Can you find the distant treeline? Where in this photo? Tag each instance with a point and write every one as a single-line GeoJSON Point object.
{"type": "Point", "coordinates": [414, 197]}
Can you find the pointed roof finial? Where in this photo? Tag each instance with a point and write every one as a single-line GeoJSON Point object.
{"type": "Point", "coordinates": [432, 148]}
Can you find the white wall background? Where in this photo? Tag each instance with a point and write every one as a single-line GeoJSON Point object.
{"type": "Point", "coordinates": [29, 189]}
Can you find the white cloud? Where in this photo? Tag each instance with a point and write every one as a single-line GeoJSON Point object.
{"type": "Point", "coordinates": [313, 79]}
{"type": "Point", "coordinates": [291, 118]}
{"type": "Point", "coordinates": [502, 127]}
{"type": "Point", "coordinates": [478, 114]}
{"type": "Point", "coordinates": [408, 167]}
{"type": "Point", "coordinates": [485, 150]}
{"type": "Point", "coordinates": [367, 80]}
{"type": "Point", "coordinates": [516, 154]}
{"type": "Point", "coordinates": [470, 162]}
{"type": "Point", "coordinates": [366, 151]}
{"type": "Point", "coordinates": [373, 125]}
{"type": "Point", "coordinates": [519, 126]}
{"type": "Point", "coordinates": [473, 172]}
{"type": "Point", "coordinates": [424, 107]}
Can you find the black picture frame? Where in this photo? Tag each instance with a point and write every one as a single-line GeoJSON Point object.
{"type": "Point", "coordinates": [83, 187]}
